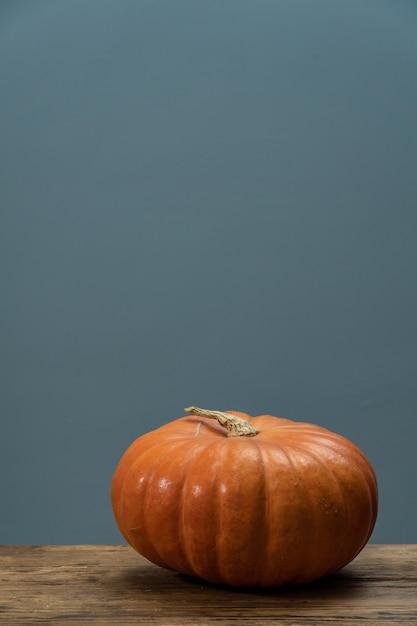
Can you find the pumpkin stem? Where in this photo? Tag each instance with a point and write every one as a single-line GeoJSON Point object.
{"type": "Point", "coordinates": [236, 426]}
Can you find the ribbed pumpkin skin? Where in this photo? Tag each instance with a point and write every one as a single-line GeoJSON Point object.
{"type": "Point", "coordinates": [290, 505]}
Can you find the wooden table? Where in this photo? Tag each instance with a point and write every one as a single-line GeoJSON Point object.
{"type": "Point", "coordinates": [114, 585]}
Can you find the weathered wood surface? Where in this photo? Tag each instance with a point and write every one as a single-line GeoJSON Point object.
{"type": "Point", "coordinates": [114, 585]}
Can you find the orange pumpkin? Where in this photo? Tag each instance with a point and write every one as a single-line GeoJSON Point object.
{"type": "Point", "coordinates": [244, 501]}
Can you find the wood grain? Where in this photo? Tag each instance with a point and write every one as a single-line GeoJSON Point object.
{"type": "Point", "coordinates": [114, 585]}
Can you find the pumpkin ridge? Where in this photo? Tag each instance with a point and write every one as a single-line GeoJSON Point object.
{"type": "Point", "coordinates": [180, 560]}
{"type": "Point", "coordinates": [194, 484]}
{"type": "Point", "coordinates": [372, 500]}
{"type": "Point", "coordinates": [287, 449]}
{"type": "Point", "coordinates": [217, 504]}
{"type": "Point", "coordinates": [149, 458]}
{"type": "Point", "coordinates": [313, 554]}
{"type": "Point", "coordinates": [373, 512]}
{"type": "Point", "coordinates": [152, 555]}
{"type": "Point", "coordinates": [262, 536]}
{"type": "Point", "coordinates": [266, 558]}
{"type": "Point", "coordinates": [240, 523]}
{"type": "Point", "coordinates": [343, 536]}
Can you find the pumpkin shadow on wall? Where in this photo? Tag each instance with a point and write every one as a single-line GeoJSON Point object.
{"type": "Point", "coordinates": [180, 595]}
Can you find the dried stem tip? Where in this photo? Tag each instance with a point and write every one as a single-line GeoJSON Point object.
{"type": "Point", "coordinates": [236, 426]}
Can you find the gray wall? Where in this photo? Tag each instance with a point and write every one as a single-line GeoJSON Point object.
{"type": "Point", "coordinates": [207, 203]}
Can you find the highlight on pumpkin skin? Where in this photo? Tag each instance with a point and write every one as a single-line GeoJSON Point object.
{"type": "Point", "coordinates": [236, 426]}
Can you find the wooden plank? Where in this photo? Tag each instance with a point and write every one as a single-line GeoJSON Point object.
{"type": "Point", "coordinates": [114, 585]}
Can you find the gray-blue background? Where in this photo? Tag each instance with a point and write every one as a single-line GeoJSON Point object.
{"type": "Point", "coordinates": [209, 203]}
